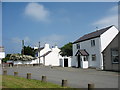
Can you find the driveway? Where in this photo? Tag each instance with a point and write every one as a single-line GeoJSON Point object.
{"type": "Point", "coordinates": [77, 78]}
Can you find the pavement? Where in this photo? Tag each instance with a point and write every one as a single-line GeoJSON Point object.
{"type": "Point", "coordinates": [76, 77]}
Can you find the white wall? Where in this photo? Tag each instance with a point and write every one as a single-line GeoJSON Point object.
{"type": "Point", "coordinates": [2, 55]}
{"type": "Point", "coordinates": [53, 57]}
{"type": "Point", "coordinates": [108, 36]}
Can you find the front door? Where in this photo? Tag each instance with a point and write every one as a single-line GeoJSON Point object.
{"type": "Point", "coordinates": [65, 62]}
{"type": "Point", "coordinates": [79, 63]}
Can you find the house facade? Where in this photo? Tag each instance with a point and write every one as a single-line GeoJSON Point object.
{"type": "Point", "coordinates": [2, 54]}
{"type": "Point", "coordinates": [87, 50]}
{"type": "Point", "coordinates": [111, 56]}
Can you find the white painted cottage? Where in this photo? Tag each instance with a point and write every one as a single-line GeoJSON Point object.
{"type": "Point", "coordinates": [51, 56]}
{"type": "Point", "coordinates": [87, 50]}
{"type": "Point", "coordinates": [2, 53]}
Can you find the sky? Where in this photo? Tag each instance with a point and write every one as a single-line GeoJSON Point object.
{"type": "Point", "coordinates": [55, 23]}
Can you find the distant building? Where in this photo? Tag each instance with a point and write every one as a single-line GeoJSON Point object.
{"type": "Point", "coordinates": [51, 56]}
{"type": "Point", "coordinates": [87, 50]}
{"type": "Point", "coordinates": [2, 53]}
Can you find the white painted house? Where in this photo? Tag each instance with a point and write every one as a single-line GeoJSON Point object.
{"type": "Point", "coordinates": [2, 53]}
{"type": "Point", "coordinates": [51, 56]}
{"type": "Point", "coordinates": [87, 50]}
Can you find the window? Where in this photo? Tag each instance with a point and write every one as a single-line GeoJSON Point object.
{"type": "Point", "coordinates": [85, 58]}
{"type": "Point", "coordinates": [92, 43]}
{"type": "Point", "coordinates": [115, 57]}
{"type": "Point", "coordinates": [78, 46]}
{"type": "Point", "coordinates": [93, 57]}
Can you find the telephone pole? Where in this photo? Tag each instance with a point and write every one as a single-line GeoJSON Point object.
{"type": "Point", "coordinates": [22, 47]}
{"type": "Point", "coordinates": [22, 52]}
{"type": "Point", "coordinates": [39, 53]}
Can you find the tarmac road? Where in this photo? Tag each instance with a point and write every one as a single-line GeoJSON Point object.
{"type": "Point", "coordinates": [77, 78]}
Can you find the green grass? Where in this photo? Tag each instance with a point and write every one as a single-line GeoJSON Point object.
{"type": "Point", "coordinates": [20, 82]}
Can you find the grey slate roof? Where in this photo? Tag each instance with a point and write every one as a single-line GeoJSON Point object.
{"type": "Point", "coordinates": [46, 54]}
{"type": "Point", "coordinates": [82, 52]}
{"type": "Point", "coordinates": [92, 35]}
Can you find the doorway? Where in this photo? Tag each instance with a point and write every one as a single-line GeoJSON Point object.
{"type": "Point", "coordinates": [65, 62]}
{"type": "Point", "coordinates": [79, 62]}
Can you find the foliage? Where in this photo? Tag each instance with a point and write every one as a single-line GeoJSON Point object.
{"type": "Point", "coordinates": [66, 50]}
{"type": "Point", "coordinates": [7, 57]}
{"type": "Point", "coordinates": [19, 82]}
{"type": "Point", "coordinates": [16, 57]}
{"type": "Point", "coordinates": [27, 50]}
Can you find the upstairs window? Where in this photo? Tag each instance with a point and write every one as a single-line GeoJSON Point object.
{"type": "Point", "coordinates": [94, 57]}
{"type": "Point", "coordinates": [78, 46]}
{"type": "Point", "coordinates": [114, 56]}
{"type": "Point", "coordinates": [92, 43]}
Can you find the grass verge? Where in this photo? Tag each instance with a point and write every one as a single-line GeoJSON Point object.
{"type": "Point", "coordinates": [9, 81]}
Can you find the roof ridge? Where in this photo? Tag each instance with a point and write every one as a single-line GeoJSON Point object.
{"type": "Point", "coordinates": [93, 34]}
{"type": "Point", "coordinates": [100, 29]}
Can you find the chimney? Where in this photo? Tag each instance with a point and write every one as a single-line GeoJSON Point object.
{"type": "Point", "coordinates": [47, 46]}
{"type": "Point", "coordinates": [56, 46]}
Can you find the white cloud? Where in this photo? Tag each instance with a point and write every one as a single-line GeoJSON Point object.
{"type": "Point", "coordinates": [110, 19]}
{"type": "Point", "coordinates": [37, 11]}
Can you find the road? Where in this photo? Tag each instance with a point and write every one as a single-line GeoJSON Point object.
{"type": "Point", "coordinates": [77, 78]}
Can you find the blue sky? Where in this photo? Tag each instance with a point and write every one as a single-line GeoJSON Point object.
{"type": "Point", "coordinates": [54, 23]}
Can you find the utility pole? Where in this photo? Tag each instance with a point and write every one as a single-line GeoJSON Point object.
{"type": "Point", "coordinates": [39, 53]}
{"type": "Point", "coordinates": [22, 49]}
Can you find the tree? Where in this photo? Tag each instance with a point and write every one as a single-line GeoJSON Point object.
{"type": "Point", "coordinates": [66, 50]}
{"type": "Point", "coordinates": [27, 50]}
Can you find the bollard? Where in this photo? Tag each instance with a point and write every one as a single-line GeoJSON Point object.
{"type": "Point", "coordinates": [64, 83]}
{"type": "Point", "coordinates": [90, 86]}
{"type": "Point", "coordinates": [15, 73]}
{"type": "Point", "coordinates": [28, 75]}
{"type": "Point", "coordinates": [44, 79]}
{"type": "Point", "coordinates": [5, 72]}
